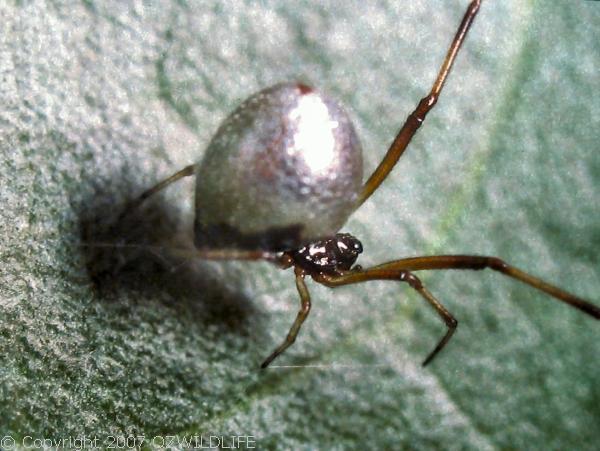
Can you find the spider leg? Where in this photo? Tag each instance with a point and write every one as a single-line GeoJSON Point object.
{"type": "Point", "coordinates": [207, 254]}
{"type": "Point", "coordinates": [302, 314]}
{"type": "Point", "coordinates": [401, 275]}
{"type": "Point", "coordinates": [416, 118]}
{"type": "Point", "coordinates": [235, 254]}
{"type": "Point", "coordinates": [134, 204]}
{"type": "Point", "coordinates": [476, 262]}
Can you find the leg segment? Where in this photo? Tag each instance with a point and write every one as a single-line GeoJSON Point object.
{"type": "Point", "coordinates": [416, 118]}
{"type": "Point", "coordinates": [476, 262]}
{"type": "Point", "coordinates": [185, 172]}
{"type": "Point", "coordinates": [401, 275]}
{"type": "Point", "coordinates": [234, 254]}
{"type": "Point", "coordinates": [302, 314]}
{"type": "Point", "coordinates": [207, 254]}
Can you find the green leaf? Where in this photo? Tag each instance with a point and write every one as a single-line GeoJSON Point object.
{"type": "Point", "coordinates": [102, 99]}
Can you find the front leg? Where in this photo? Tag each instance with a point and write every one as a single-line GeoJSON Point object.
{"type": "Point", "coordinates": [478, 262]}
{"type": "Point", "coordinates": [358, 275]}
{"type": "Point", "coordinates": [302, 314]}
{"type": "Point", "coordinates": [400, 270]}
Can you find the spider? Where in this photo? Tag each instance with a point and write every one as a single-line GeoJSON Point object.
{"type": "Point", "coordinates": [300, 162]}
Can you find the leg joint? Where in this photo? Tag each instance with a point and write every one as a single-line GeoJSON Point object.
{"type": "Point", "coordinates": [451, 322]}
{"type": "Point", "coordinates": [412, 280]}
{"type": "Point", "coordinates": [496, 263]}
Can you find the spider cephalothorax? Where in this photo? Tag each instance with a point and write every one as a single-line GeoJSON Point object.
{"type": "Point", "coordinates": [328, 256]}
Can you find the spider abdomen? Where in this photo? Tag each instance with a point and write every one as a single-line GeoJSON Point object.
{"type": "Point", "coordinates": [284, 169]}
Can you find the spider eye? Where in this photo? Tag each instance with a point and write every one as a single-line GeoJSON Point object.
{"type": "Point", "coordinates": [348, 244]}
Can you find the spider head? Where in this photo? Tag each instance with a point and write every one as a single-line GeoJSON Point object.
{"type": "Point", "coordinates": [328, 256]}
{"type": "Point", "coordinates": [349, 248]}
